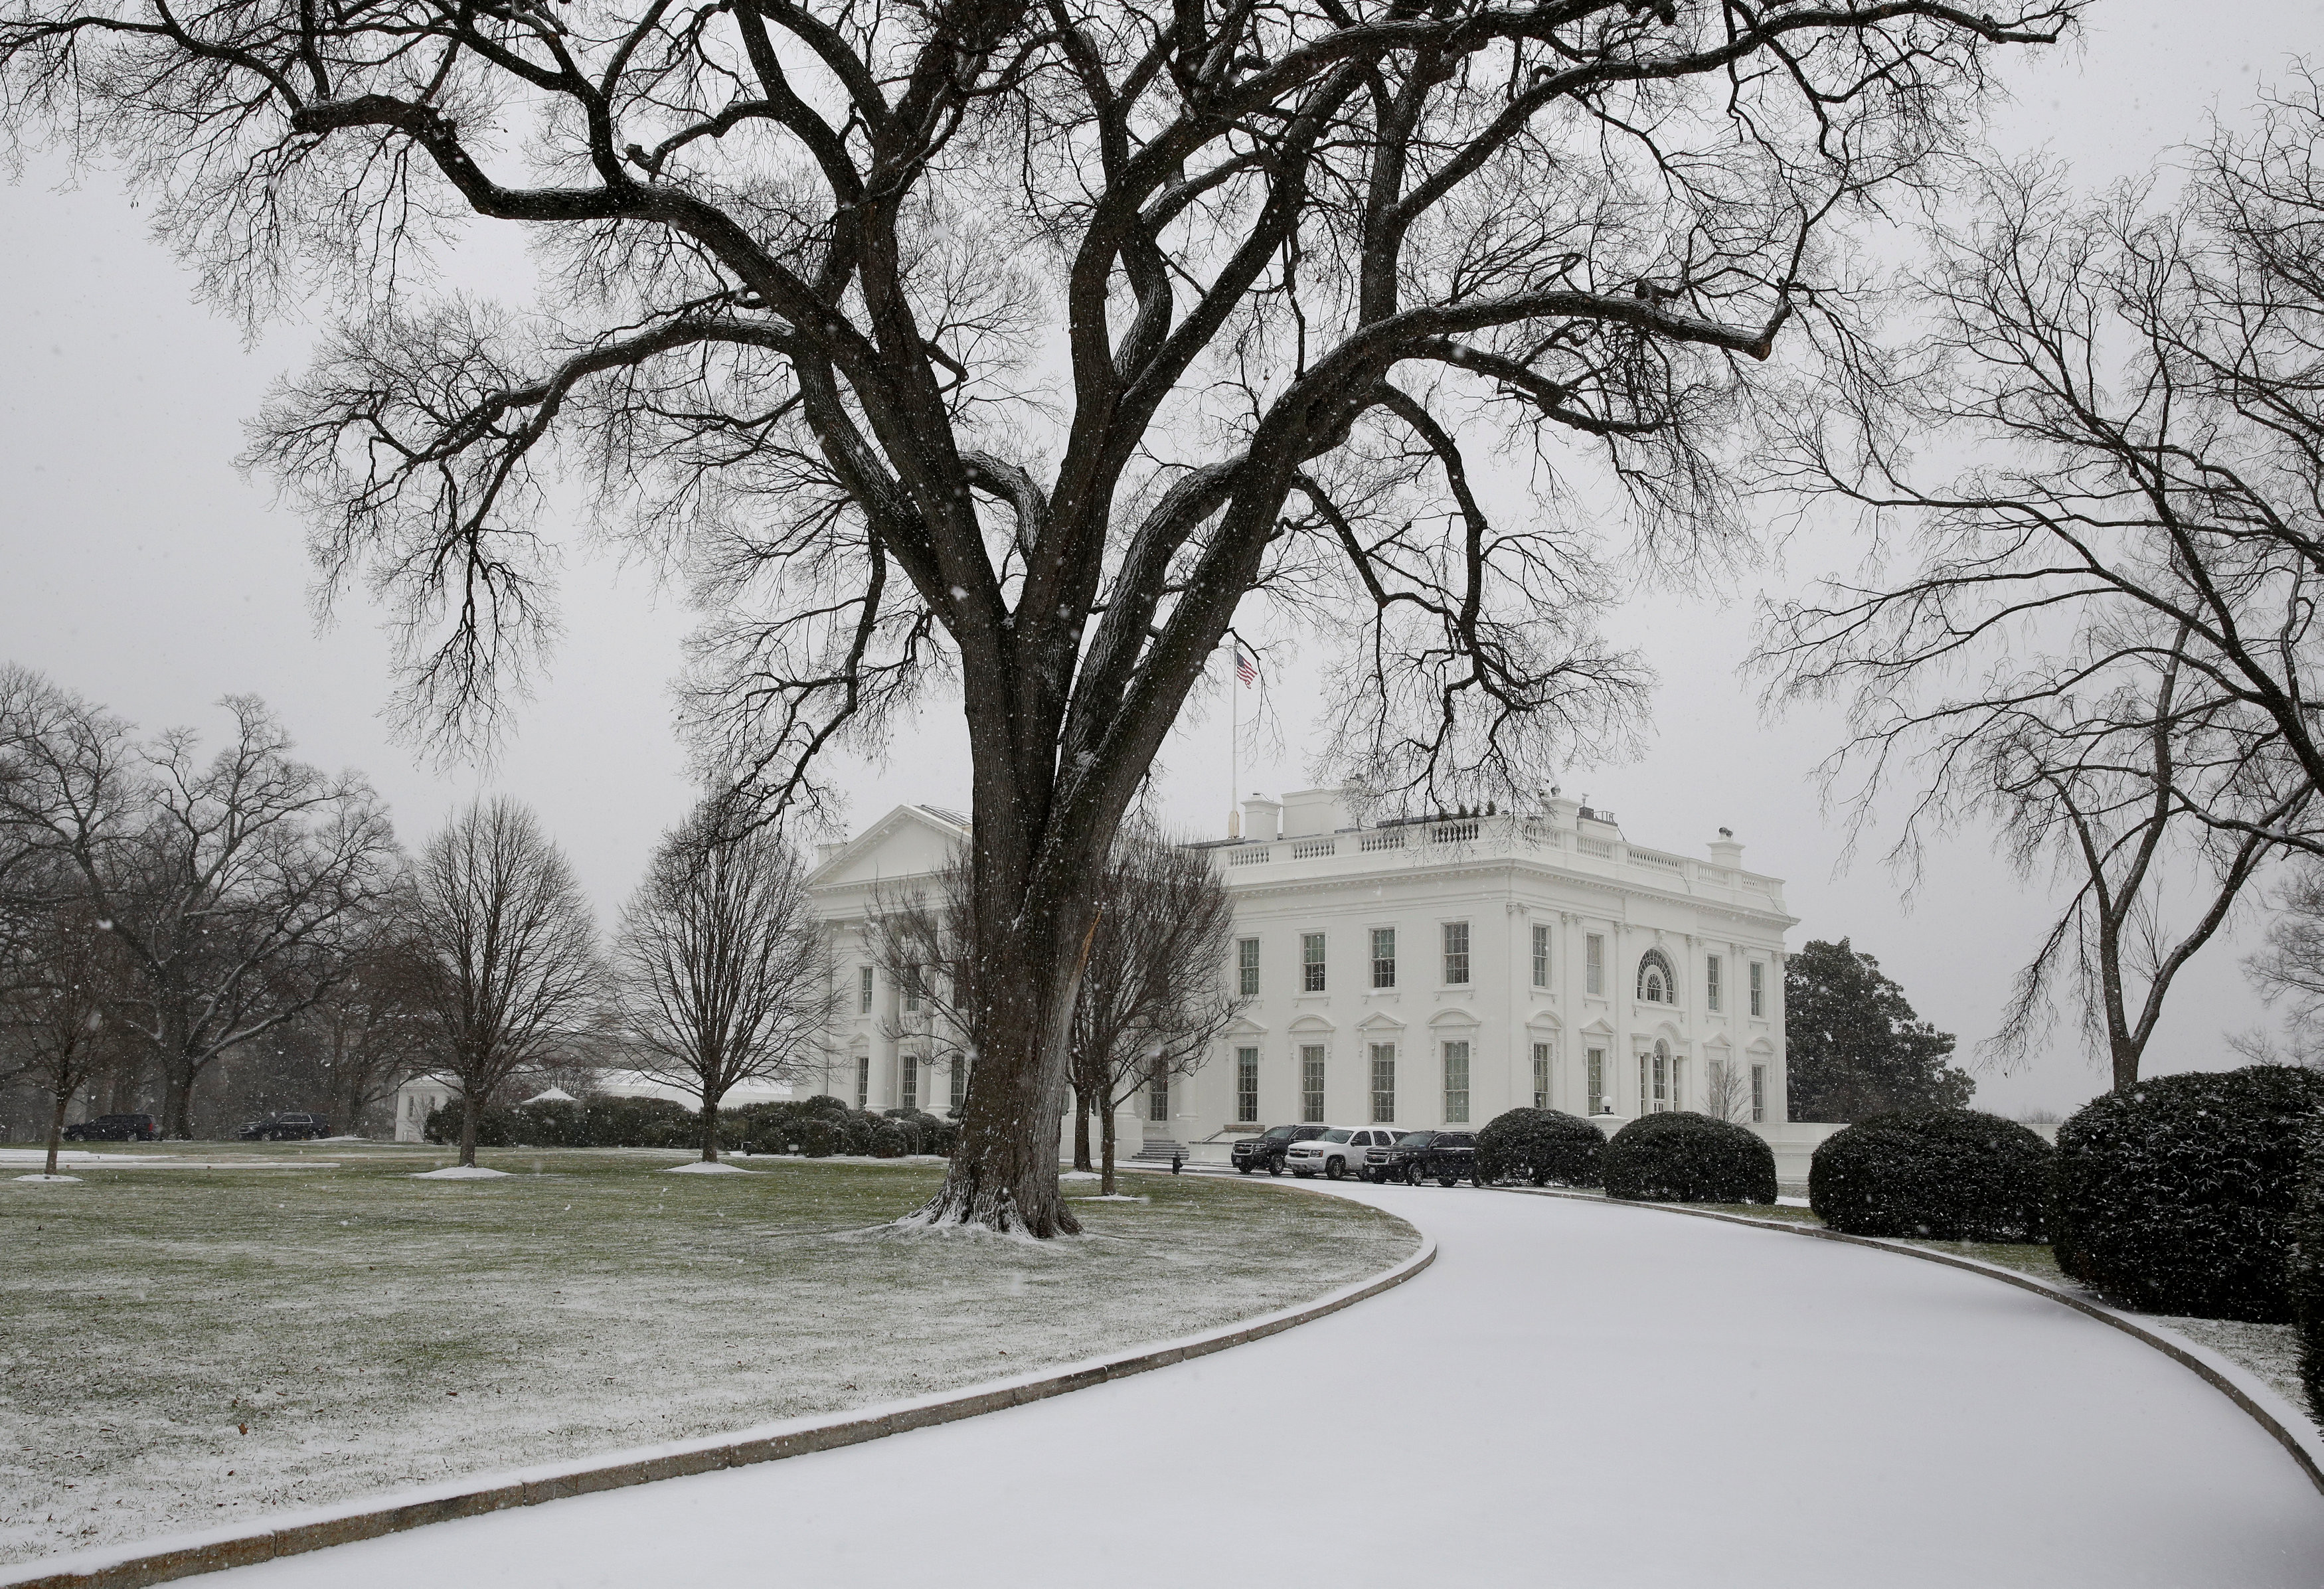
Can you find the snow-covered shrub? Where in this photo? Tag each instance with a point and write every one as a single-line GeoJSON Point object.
{"type": "Point", "coordinates": [858, 1130]}
{"type": "Point", "coordinates": [824, 1104]}
{"type": "Point", "coordinates": [2307, 1269]}
{"type": "Point", "coordinates": [820, 1137]}
{"type": "Point", "coordinates": [1689, 1158]}
{"type": "Point", "coordinates": [2177, 1197]}
{"type": "Point", "coordinates": [1951, 1175]}
{"type": "Point", "coordinates": [1541, 1146]}
{"type": "Point", "coordinates": [890, 1140]}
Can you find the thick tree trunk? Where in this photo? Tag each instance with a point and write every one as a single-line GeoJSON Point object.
{"type": "Point", "coordinates": [178, 1099]}
{"type": "Point", "coordinates": [709, 1128]}
{"type": "Point", "coordinates": [1105, 1187]}
{"type": "Point", "coordinates": [57, 1129]}
{"type": "Point", "coordinates": [1005, 1172]}
{"type": "Point", "coordinates": [1080, 1131]}
{"type": "Point", "coordinates": [469, 1109]}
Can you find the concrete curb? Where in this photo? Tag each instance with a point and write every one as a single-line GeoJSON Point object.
{"type": "Point", "coordinates": [2239, 1384]}
{"type": "Point", "coordinates": [158, 1561]}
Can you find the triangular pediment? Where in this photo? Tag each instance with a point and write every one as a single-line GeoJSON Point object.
{"type": "Point", "coordinates": [908, 842]}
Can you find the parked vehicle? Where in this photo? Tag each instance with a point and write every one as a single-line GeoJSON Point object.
{"type": "Point", "coordinates": [1266, 1150]}
{"type": "Point", "coordinates": [115, 1128]}
{"type": "Point", "coordinates": [285, 1128]}
{"type": "Point", "coordinates": [1339, 1151]}
{"type": "Point", "coordinates": [1446, 1157]}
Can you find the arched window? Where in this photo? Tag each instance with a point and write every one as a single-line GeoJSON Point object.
{"type": "Point", "coordinates": [1658, 984]}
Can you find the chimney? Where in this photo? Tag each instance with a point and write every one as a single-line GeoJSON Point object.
{"type": "Point", "coordinates": [1311, 811]}
{"type": "Point", "coordinates": [1725, 850]}
{"type": "Point", "coordinates": [1260, 818]}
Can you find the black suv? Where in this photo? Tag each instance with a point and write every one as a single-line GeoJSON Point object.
{"type": "Point", "coordinates": [115, 1128]}
{"type": "Point", "coordinates": [1447, 1156]}
{"type": "Point", "coordinates": [1265, 1151]}
{"type": "Point", "coordinates": [285, 1128]}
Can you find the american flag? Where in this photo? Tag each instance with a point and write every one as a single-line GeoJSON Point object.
{"type": "Point", "coordinates": [1246, 670]}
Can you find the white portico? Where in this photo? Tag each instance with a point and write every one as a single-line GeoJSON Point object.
{"type": "Point", "coordinates": [1437, 972]}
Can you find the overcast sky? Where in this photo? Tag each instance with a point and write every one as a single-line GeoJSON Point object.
{"type": "Point", "coordinates": [141, 570]}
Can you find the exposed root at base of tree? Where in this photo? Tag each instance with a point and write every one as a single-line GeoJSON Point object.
{"type": "Point", "coordinates": [964, 1203]}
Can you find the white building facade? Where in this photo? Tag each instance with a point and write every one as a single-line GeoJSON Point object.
{"type": "Point", "coordinates": [1434, 972]}
{"type": "Point", "coordinates": [1420, 974]}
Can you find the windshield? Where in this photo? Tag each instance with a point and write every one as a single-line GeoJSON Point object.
{"type": "Point", "coordinates": [1338, 1136]}
{"type": "Point", "coordinates": [1279, 1133]}
{"type": "Point", "coordinates": [1413, 1139]}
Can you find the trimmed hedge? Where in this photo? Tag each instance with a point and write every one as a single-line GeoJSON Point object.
{"type": "Point", "coordinates": [2178, 1196]}
{"type": "Point", "coordinates": [2307, 1269]}
{"type": "Point", "coordinates": [784, 1127]}
{"type": "Point", "coordinates": [1689, 1158]}
{"type": "Point", "coordinates": [1541, 1146]}
{"type": "Point", "coordinates": [1952, 1174]}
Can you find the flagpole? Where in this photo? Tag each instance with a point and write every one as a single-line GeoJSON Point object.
{"type": "Point", "coordinates": [1235, 732]}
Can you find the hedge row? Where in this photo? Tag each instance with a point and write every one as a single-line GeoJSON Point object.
{"type": "Point", "coordinates": [818, 1127]}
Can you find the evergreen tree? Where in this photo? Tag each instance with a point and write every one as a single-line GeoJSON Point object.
{"type": "Point", "coordinates": [1855, 1047]}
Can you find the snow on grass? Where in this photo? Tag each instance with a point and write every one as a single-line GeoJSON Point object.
{"type": "Point", "coordinates": [460, 1172]}
{"type": "Point", "coordinates": [203, 1349]}
{"type": "Point", "coordinates": [50, 1178]}
{"type": "Point", "coordinates": [1079, 1175]}
{"type": "Point", "coordinates": [708, 1166]}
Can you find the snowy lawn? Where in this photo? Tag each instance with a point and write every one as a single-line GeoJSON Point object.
{"type": "Point", "coordinates": [178, 1351]}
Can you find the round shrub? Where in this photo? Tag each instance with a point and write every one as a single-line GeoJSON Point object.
{"type": "Point", "coordinates": [1541, 1146]}
{"type": "Point", "coordinates": [1952, 1174]}
{"type": "Point", "coordinates": [1689, 1158]}
{"type": "Point", "coordinates": [821, 1137]}
{"type": "Point", "coordinates": [890, 1140]}
{"type": "Point", "coordinates": [858, 1130]}
{"type": "Point", "coordinates": [824, 1104]}
{"type": "Point", "coordinates": [2177, 1197]}
{"type": "Point", "coordinates": [944, 1137]}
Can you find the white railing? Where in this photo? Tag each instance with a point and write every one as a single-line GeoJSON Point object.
{"type": "Point", "coordinates": [1599, 847]}
{"type": "Point", "coordinates": [1246, 855]}
{"type": "Point", "coordinates": [1648, 858]}
{"type": "Point", "coordinates": [1381, 841]}
{"type": "Point", "coordinates": [1311, 849]}
{"type": "Point", "coordinates": [1453, 832]}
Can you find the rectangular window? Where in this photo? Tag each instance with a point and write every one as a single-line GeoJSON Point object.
{"type": "Point", "coordinates": [1598, 1081]}
{"type": "Point", "coordinates": [911, 987]}
{"type": "Point", "coordinates": [1541, 1076]}
{"type": "Point", "coordinates": [1311, 962]}
{"type": "Point", "coordinates": [1456, 953]}
{"type": "Point", "coordinates": [1593, 959]}
{"type": "Point", "coordinates": [1383, 956]}
{"type": "Point", "coordinates": [1383, 1084]}
{"type": "Point", "coordinates": [864, 990]}
{"type": "Point", "coordinates": [1758, 988]}
{"type": "Point", "coordinates": [1758, 1094]}
{"type": "Point", "coordinates": [1662, 1081]}
{"type": "Point", "coordinates": [1311, 1083]}
{"type": "Point", "coordinates": [959, 1068]}
{"type": "Point", "coordinates": [1247, 1086]}
{"type": "Point", "coordinates": [1456, 1083]}
{"type": "Point", "coordinates": [1158, 1095]}
{"type": "Point", "coordinates": [910, 1097]}
{"type": "Point", "coordinates": [1247, 966]}
{"type": "Point", "coordinates": [863, 1079]}
{"type": "Point", "coordinates": [1711, 990]}
{"type": "Point", "coordinates": [1541, 958]}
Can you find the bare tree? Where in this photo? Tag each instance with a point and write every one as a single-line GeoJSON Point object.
{"type": "Point", "coordinates": [513, 967]}
{"type": "Point", "coordinates": [1727, 1091]}
{"type": "Point", "coordinates": [2104, 634]}
{"type": "Point", "coordinates": [1153, 991]}
{"type": "Point", "coordinates": [54, 1018]}
{"type": "Point", "coordinates": [1025, 345]}
{"type": "Point", "coordinates": [374, 1029]}
{"type": "Point", "coordinates": [720, 971]}
{"type": "Point", "coordinates": [239, 888]}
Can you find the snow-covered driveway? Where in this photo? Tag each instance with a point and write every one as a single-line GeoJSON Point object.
{"type": "Point", "coordinates": [1575, 1394]}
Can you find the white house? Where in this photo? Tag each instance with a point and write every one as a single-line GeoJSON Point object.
{"type": "Point", "coordinates": [1424, 973]}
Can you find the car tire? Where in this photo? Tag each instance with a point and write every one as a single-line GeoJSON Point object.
{"type": "Point", "coordinates": [1335, 1168]}
{"type": "Point", "coordinates": [1412, 1176]}
{"type": "Point", "coordinates": [1275, 1167]}
{"type": "Point", "coordinates": [1242, 1170]}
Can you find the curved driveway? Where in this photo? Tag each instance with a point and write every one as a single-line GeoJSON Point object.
{"type": "Point", "coordinates": [1574, 1394]}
